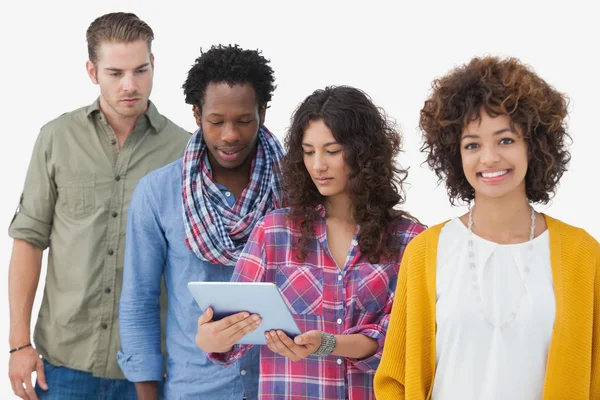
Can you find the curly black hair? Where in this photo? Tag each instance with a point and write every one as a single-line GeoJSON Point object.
{"type": "Point", "coordinates": [231, 65]}
{"type": "Point", "coordinates": [500, 87]}
{"type": "Point", "coordinates": [371, 142]}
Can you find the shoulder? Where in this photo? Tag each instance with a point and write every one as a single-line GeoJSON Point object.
{"type": "Point", "coordinates": [65, 121]}
{"type": "Point", "coordinates": [572, 238]}
{"type": "Point", "coordinates": [161, 184]}
{"type": "Point", "coordinates": [277, 219]}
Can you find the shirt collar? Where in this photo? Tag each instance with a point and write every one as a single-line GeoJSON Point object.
{"type": "Point", "coordinates": [151, 114]}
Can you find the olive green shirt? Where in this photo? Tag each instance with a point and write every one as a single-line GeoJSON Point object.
{"type": "Point", "coordinates": [75, 201]}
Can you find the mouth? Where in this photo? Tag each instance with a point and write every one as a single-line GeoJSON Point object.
{"type": "Point", "coordinates": [323, 180]}
{"type": "Point", "coordinates": [230, 153]}
{"type": "Point", "coordinates": [493, 176]}
{"type": "Point", "coordinates": [130, 101]}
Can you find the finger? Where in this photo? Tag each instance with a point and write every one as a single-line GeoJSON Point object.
{"type": "Point", "coordinates": [308, 338]}
{"type": "Point", "coordinates": [246, 326]}
{"type": "Point", "coordinates": [17, 387]}
{"type": "Point", "coordinates": [280, 346]}
{"type": "Point", "coordinates": [29, 389]}
{"type": "Point", "coordinates": [289, 343]}
{"type": "Point", "coordinates": [206, 317]}
{"type": "Point", "coordinates": [232, 320]}
{"type": "Point", "coordinates": [243, 327]}
{"type": "Point", "coordinates": [41, 375]}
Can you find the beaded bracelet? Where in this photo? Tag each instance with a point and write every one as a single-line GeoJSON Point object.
{"type": "Point", "coordinates": [19, 348]}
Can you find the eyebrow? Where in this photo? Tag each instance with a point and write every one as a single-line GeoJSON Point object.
{"type": "Point", "coordinates": [120, 70]}
{"type": "Point", "coordinates": [325, 145]}
{"type": "Point", "coordinates": [498, 132]}
{"type": "Point", "coordinates": [221, 115]}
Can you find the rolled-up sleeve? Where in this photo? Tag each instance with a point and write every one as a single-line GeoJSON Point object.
{"type": "Point", "coordinates": [250, 267]}
{"type": "Point", "coordinates": [140, 357]}
{"type": "Point", "coordinates": [33, 219]}
{"type": "Point", "coordinates": [375, 331]}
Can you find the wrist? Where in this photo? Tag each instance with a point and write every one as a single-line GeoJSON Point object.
{"type": "Point", "coordinates": [328, 345]}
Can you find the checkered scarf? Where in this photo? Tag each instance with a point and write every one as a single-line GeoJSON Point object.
{"type": "Point", "coordinates": [214, 231]}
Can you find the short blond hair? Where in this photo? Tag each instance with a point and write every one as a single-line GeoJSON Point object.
{"type": "Point", "coordinates": [117, 27]}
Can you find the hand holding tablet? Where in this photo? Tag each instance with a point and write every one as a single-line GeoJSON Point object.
{"type": "Point", "coordinates": [242, 312]}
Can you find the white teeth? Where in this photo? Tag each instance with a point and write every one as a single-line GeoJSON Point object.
{"type": "Point", "coordinates": [494, 174]}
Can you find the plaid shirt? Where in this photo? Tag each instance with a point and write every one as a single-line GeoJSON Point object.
{"type": "Point", "coordinates": [355, 299]}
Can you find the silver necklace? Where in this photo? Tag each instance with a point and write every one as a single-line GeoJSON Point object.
{"type": "Point", "coordinates": [475, 281]}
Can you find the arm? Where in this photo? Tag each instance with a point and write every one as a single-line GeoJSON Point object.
{"type": "Point", "coordinates": [389, 377]}
{"type": "Point", "coordinates": [595, 379]}
{"type": "Point", "coordinates": [30, 228]}
{"type": "Point", "coordinates": [23, 278]}
{"type": "Point", "coordinates": [140, 357]}
{"type": "Point", "coordinates": [218, 339]}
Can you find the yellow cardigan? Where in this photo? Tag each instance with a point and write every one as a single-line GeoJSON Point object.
{"type": "Point", "coordinates": [408, 363]}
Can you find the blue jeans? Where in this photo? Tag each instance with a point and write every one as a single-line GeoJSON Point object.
{"type": "Point", "coordinates": [66, 384]}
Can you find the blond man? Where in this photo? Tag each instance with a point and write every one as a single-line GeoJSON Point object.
{"type": "Point", "coordinates": [84, 168]}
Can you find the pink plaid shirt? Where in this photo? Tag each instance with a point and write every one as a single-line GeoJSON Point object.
{"type": "Point", "coordinates": [355, 299]}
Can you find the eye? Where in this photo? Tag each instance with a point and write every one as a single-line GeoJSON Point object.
{"type": "Point", "coordinates": [334, 152]}
{"type": "Point", "coordinates": [115, 74]}
{"type": "Point", "coordinates": [506, 141]}
{"type": "Point", "coordinates": [308, 152]}
{"type": "Point", "coordinates": [246, 122]}
{"type": "Point", "coordinates": [141, 71]}
{"type": "Point", "coordinates": [215, 122]}
{"type": "Point", "coordinates": [471, 146]}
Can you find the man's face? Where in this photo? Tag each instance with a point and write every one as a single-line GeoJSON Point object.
{"type": "Point", "coordinates": [230, 119]}
{"type": "Point", "coordinates": [124, 72]}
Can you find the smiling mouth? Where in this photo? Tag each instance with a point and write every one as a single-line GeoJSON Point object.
{"type": "Point", "coordinates": [494, 174]}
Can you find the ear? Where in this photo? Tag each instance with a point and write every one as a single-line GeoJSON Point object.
{"type": "Point", "coordinates": [152, 62]}
{"type": "Point", "coordinates": [262, 113]}
{"type": "Point", "coordinates": [197, 115]}
{"type": "Point", "coordinates": [91, 71]}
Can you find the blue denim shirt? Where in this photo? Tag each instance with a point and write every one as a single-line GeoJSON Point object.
{"type": "Point", "coordinates": [155, 245]}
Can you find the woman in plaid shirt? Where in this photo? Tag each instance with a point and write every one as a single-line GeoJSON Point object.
{"type": "Point", "coordinates": [334, 253]}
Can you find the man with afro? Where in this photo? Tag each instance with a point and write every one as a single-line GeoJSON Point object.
{"type": "Point", "coordinates": [190, 220]}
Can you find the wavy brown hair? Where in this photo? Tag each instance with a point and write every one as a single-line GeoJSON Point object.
{"type": "Point", "coordinates": [370, 142]}
{"type": "Point", "coordinates": [500, 87]}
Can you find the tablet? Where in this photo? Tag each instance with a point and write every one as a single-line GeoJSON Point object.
{"type": "Point", "coordinates": [262, 298]}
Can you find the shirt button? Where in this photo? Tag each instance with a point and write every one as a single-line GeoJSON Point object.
{"type": "Point", "coordinates": [227, 194]}
{"type": "Point", "coordinates": [114, 214]}
{"type": "Point", "coordinates": [107, 290]}
{"type": "Point", "coordinates": [339, 361]}
{"type": "Point", "coordinates": [339, 320]}
{"type": "Point", "coordinates": [339, 277]}
{"type": "Point", "coordinates": [117, 178]}
{"type": "Point", "coordinates": [110, 252]}
{"type": "Point", "coordinates": [104, 326]}
{"type": "Point", "coordinates": [113, 142]}
{"type": "Point", "coordinates": [243, 372]}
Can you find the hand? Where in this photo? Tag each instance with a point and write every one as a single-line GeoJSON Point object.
{"type": "Point", "coordinates": [220, 336]}
{"type": "Point", "coordinates": [298, 349]}
{"type": "Point", "coordinates": [21, 365]}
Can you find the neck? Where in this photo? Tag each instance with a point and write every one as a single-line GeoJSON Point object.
{"type": "Point", "coordinates": [503, 220]}
{"type": "Point", "coordinates": [236, 179]}
{"type": "Point", "coordinates": [340, 207]}
{"type": "Point", "coordinates": [122, 126]}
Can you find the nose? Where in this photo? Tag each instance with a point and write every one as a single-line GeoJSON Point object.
{"type": "Point", "coordinates": [230, 133]}
{"type": "Point", "coordinates": [319, 164]}
{"type": "Point", "coordinates": [128, 83]}
{"type": "Point", "coordinates": [489, 155]}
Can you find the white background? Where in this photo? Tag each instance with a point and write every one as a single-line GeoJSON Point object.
{"type": "Point", "coordinates": [392, 50]}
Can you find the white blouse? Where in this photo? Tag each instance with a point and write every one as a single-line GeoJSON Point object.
{"type": "Point", "coordinates": [485, 354]}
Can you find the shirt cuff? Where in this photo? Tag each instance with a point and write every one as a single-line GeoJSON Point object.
{"type": "Point", "coordinates": [142, 368]}
{"type": "Point", "coordinates": [369, 364]}
{"type": "Point", "coordinates": [24, 227]}
{"type": "Point", "coordinates": [230, 357]}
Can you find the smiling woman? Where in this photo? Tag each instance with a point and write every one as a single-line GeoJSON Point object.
{"type": "Point", "coordinates": [501, 281]}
